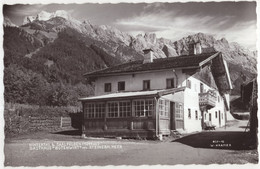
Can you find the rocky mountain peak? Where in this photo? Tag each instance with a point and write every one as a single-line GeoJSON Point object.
{"type": "Point", "coordinates": [44, 16]}
{"type": "Point", "coordinates": [224, 42]}
{"type": "Point", "coordinates": [232, 52]}
{"type": "Point", "coordinates": [8, 22]}
{"type": "Point", "coordinates": [116, 39]}
{"type": "Point", "coordinates": [61, 13]}
{"type": "Point", "coordinates": [87, 22]}
{"type": "Point", "coordinates": [204, 39]}
{"type": "Point", "coordinates": [150, 37]}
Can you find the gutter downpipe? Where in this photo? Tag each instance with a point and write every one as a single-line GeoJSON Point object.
{"type": "Point", "coordinates": [156, 118]}
{"type": "Point", "coordinates": [83, 135]}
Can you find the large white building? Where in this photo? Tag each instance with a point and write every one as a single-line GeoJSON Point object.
{"type": "Point", "coordinates": [151, 97]}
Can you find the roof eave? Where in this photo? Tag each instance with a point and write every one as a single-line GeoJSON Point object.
{"type": "Point", "coordinates": [118, 98]}
{"type": "Point", "coordinates": [157, 94]}
{"type": "Point", "coordinates": [171, 91]}
{"type": "Point", "coordinates": [138, 72]}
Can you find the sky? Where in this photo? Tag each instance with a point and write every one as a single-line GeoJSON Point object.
{"type": "Point", "coordinates": [236, 21]}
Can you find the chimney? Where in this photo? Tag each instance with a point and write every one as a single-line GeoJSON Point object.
{"type": "Point", "coordinates": [197, 48]}
{"type": "Point", "coordinates": [148, 56]}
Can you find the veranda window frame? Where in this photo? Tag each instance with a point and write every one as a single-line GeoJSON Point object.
{"type": "Point", "coordinates": [117, 114]}
{"type": "Point", "coordinates": [147, 113]}
{"type": "Point", "coordinates": [93, 111]}
{"type": "Point", "coordinates": [100, 110]}
{"type": "Point", "coordinates": [124, 108]}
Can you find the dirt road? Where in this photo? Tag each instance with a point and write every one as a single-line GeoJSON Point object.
{"type": "Point", "coordinates": [72, 150]}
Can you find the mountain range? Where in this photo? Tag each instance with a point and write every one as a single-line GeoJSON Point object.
{"type": "Point", "coordinates": [61, 49]}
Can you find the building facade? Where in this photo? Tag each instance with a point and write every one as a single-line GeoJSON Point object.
{"type": "Point", "coordinates": [151, 97]}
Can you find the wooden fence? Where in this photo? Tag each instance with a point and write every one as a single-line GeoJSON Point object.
{"type": "Point", "coordinates": [65, 122]}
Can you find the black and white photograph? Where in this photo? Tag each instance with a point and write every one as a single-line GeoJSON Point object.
{"type": "Point", "coordinates": [129, 83]}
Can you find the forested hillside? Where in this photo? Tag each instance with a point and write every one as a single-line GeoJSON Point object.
{"type": "Point", "coordinates": [54, 74]}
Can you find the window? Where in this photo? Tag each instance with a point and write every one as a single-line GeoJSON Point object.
{"type": "Point", "coordinates": [121, 86]}
{"type": "Point", "coordinates": [222, 115]}
{"type": "Point", "coordinates": [143, 107]}
{"type": "Point", "coordinates": [164, 107]}
{"type": "Point", "coordinates": [119, 109]}
{"type": "Point", "coordinates": [93, 110]}
{"type": "Point", "coordinates": [178, 111]}
{"type": "Point", "coordinates": [188, 84]}
{"type": "Point", "coordinates": [209, 116]}
{"type": "Point", "coordinates": [149, 106]}
{"type": "Point", "coordinates": [107, 87]}
{"type": "Point", "coordinates": [146, 85]}
{"type": "Point", "coordinates": [216, 114]}
{"type": "Point", "coordinates": [112, 109]}
{"type": "Point", "coordinates": [100, 110]}
{"type": "Point", "coordinates": [196, 115]}
{"type": "Point", "coordinates": [139, 108]}
{"type": "Point", "coordinates": [201, 87]}
{"type": "Point", "coordinates": [189, 114]}
{"type": "Point", "coordinates": [89, 110]}
{"type": "Point", "coordinates": [124, 109]}
{"type": "Point", "coordinates": [170, 83]}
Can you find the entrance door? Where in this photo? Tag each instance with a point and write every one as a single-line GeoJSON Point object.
{"type": "Point", "coordinates": [177, 121]}
{"type": "Point", "coordinates": [202, 119]}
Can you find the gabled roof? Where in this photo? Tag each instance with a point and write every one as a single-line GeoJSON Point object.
{"type": "Point", "coordinates": [180, 62]}
{"type": "Point", "coordinates": [247, 90]}
{"type": "Point", "coordinates": [221, 74]}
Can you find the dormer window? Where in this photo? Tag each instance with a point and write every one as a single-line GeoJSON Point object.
{"type": "Point", "coordinates": [121, 86]}
{"type": "Point", "coordinates": [146, 85]}
{"type": "Point", "coordinates": [107, 87]}
{"type": "Point", "coordinates": [170, 83]}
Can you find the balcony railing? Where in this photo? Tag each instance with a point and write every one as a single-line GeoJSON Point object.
{"type": "Point", "coordinates": [208, 99]}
